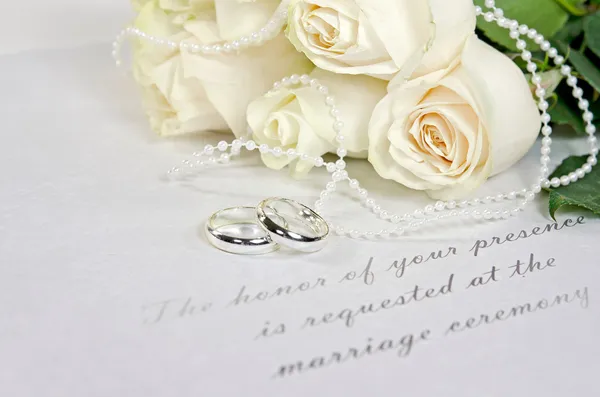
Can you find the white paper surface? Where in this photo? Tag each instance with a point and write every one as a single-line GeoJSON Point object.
{"type": "Point", "coordinates": [42, 24]}
{"type": "Point", "coordinates": [107, 287]}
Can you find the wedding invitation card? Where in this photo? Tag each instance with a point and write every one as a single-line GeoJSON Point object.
{"type": "Point", "coordinates": [108, 286]}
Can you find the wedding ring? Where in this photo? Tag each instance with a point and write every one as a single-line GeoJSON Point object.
{"type": "Point", "coordinates": [235, 230]}
{"type": "Point", "coordinates": [292, 224]}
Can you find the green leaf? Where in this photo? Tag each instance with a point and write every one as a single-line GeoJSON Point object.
{"type": "Point", "coordinates": [562, 114]}
{"type": "Point", "coordinates": [547, 16]}
{"type": "Point", "coordinates": [584, 66]}
{"type": "Point", "coordinates": [574, 7]}
{"type": "Point", "coordinates": [570, 31]}
{"type": "Point", "coordinates": [591, 27]}
{"type": "Point", "coordinates": [584, 193]}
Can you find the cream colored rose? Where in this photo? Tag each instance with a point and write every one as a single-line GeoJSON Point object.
{"type": "Point", "coordinates": [186, 92]}
{"type": "Point", "coordinates": [380, 37]}
{"type": "Point", "coordinates": [298, 118]}
{"type": "Point", "coordinates": [447, 132]}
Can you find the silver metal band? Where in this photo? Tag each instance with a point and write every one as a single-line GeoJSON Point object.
{"type": "Point", "coordinates": [304, 230]}
{"type": "Point", "coordinates": [235, 230]}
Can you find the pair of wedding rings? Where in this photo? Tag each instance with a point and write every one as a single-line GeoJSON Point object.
{"type": "Point", "coordinates": [273, 223]}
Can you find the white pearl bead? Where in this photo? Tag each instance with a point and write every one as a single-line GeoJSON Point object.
{"type": "Point", "coordinates": [222, 146]}
{"type": "Point", "coordinates": [341, 152]}
{"type": "Point", "coordinates": [487, 214]}
{"type": "Point", "coordinates": [545, 46]}
{"type": "Point", "coordinates": [573, 177]}
{"type": "Point", "coordinates": [263, 148]}
{"type": "Point", "coordinates": [305, 79]}
{"type": "Point", "coordinates": [539, 39]}
{"type": "Point", "coordinates": [523, 29]}
{"type": "Point", "coordinates": [545, 150]}
{"type": "Point", "coordinates": [291, 153]}
{"type": "Point", "coordinates": [545, 118]}
{"type": "Point", "coordinates": [225, 158]}
{"type": "Point", "coordinates": [540, 92]}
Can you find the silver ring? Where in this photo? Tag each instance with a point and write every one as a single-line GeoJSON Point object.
{"type": "Point", "coordinates": [235, 230]}
{"type": "Point", "coordinates": [304, 229]}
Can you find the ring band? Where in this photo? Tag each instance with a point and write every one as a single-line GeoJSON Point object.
{"type": "Point", "coordinates": [235, 230]}
{"type": "Point", "coordinates": [304, 230]}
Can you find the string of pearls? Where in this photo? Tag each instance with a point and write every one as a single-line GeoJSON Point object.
{"type": "Point", "coordinates": [256, 39]}
{"type": "Point", "coordinates": [430, 213]}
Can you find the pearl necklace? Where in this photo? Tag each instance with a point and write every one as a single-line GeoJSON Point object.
{"type": "Point", "coordinates": [402, 222]}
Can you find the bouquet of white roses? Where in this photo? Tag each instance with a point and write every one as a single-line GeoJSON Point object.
{"type": "Point", "coordinates": [427, 102]}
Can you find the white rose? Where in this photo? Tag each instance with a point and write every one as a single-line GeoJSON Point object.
{"type": "Point", "coordinates": [380, 37]}
{"type": "Point", "coordinates": [185, 92]}
{"type": "Point", "coordinates": [447, 132]}
{"type": "Point", "coordinates": [298, 118]}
